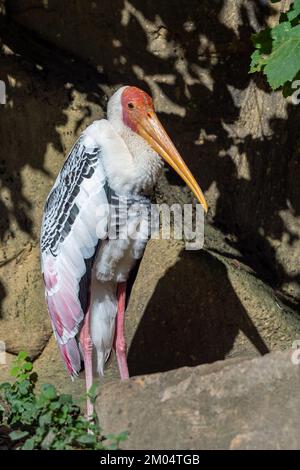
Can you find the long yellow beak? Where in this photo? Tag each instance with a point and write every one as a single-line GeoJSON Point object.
{"type": "Point", "coordinates": [154, 133]}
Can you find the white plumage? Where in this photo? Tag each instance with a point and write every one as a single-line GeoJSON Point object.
{"type": "Point", "coordinates": [104, 188]}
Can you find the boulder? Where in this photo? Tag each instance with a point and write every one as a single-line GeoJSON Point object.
{"type": "Point", "coordinates": [186, 308]}
{"type": "Point", "coordinates": [237, 405]}
{"type": "Point", "coordinates": [193, 307]}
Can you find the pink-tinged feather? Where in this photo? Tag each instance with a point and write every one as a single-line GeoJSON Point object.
{"type": "Point", "coordinates": [50, 281]}
{"type": "Point", "coordinates": [66, 243]}
{"type": "Point", "coordinates": [50, 273]}
{"type": "Point", "coordinates": [55, 317]}
{"type": "Point", "coordinates": [62, 287]}
{"type": "Point", "coordinates": [71, 356]}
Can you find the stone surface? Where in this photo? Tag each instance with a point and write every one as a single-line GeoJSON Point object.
{"type": "Point", "coordinates": [194, 308]}
{"type": "Point", "coordinates": [188, 308]}
{"type": "Point", "coordinates": [24, 324]}
{"type": "Point", "coordinates": [51, 98]}
{"type": "Point", "coordinates": [42, 118]}
{"type": "Point", "coordinates": [239, 139]}
{"type": "Point", "coordinates": [251, 404]}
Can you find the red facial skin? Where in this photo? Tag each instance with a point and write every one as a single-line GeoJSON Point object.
{"type": "Point", "coordinates": [139, 115]}
{"type": "Point", "coordinates": [136, 104]}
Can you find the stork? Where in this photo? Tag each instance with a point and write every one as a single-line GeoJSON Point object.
{"type": "Point", "coordinates": [85, 270]}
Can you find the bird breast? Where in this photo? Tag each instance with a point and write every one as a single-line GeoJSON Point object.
{"type": "Point", "coordinates": [131, 165]}
{"type": "Point", "coordinates": [127, 236]}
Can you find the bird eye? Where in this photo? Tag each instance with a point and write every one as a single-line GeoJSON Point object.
{"type": "Point", "coordinates": [130, 105]}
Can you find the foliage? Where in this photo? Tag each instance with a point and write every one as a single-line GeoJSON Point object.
{"type": "Point", "coordinates": [277, 50]}
{"type": "Point", "coordinates": [47, 420]}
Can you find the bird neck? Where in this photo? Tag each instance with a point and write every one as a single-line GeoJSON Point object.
{"type": "Point", "coordinates": [135, 168]}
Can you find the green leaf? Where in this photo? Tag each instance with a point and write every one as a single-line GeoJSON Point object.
{"type": "Point", "coordinates": [86, 439]}
{"type": "Point", "coordinates": [277, 50]}
{"type": "Point", "coordinates": [5, 386]}
{"type": "Point", "coordinates": [28, 366]}
{"type": "Point", "coordinates": [112, 446]}
{"type": "Point", "coordinates": [263, 43]}
{"type": "Point", "coordinates": [17, 435]}
{"type": "Point", "coordinates": [45, 419]}
{"type": "Point", "coordinates": [284, 62]}
{"type": "Point", "coordinates": [122, 436]}
{"type": "Point", "coordinates": [295, 10]}
{"type": "Point", "coordinates": [49, 392]}
{"type": "Point", "coordinates": [55, 405]}
{"type": "Point", "coordinates": [29, 444]}
{"type": "Point", "coordinates": [119, 437]}
{"type": "Point", "coordinates": [22, 356]}
{"type": "Point", "coordinates": [14, 371]}
{"type": "Point", "coordinates": [52, 421]}
{"type": "Point", "coordinates": [280, 33]}
{"type": "Point", "coordinates": [65, 399]}
{"type": "Point", "coordinates": [257, 62]}
{"type": "Point", "coordinates": [24, 387]}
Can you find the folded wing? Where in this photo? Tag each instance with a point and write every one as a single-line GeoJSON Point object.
{"type": "Point", "coordinates": [75, 213]}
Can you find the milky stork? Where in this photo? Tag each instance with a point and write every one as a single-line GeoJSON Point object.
{"type": "Point", "coordinates": [85, 272]}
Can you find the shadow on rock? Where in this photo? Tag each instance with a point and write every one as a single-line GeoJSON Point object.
{"type": "Point", "coordinates": [193, 318]}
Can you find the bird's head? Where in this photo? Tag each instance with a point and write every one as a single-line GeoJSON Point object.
{"type": "Point", "coordinates": [137, 112]}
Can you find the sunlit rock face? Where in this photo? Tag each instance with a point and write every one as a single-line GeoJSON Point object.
{"type": "Point", "coordinates": [234, 133]}
{"type": "Point", "coordinates": [42, 117]}
{"type": "Point", "coordinates": [240, 141]}
{"type": "Point", "coordinates": [226, 405]}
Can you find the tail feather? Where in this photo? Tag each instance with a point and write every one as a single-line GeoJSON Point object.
{"type": "Point", "coordinates": [103, 308]}
{"type": "Point", "coordinates": [71, 356]}
{"type": "Point", "coordinates": [103, 316]}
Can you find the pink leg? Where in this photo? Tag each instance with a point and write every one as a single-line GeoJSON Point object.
{"type": "Point", "coordinates": [119, 341]}
{"type": "Point", "coordinates": [87, 348]}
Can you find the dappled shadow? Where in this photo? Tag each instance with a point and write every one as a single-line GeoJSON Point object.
{"type": "Point", "coordinates": [193, 317]}
{"type": "Point", "coordinates": [39, 95]}
{"type": "Point", "coordinates": [194, 58]}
